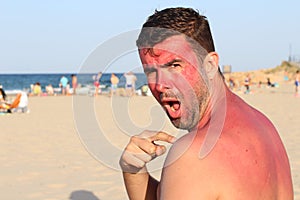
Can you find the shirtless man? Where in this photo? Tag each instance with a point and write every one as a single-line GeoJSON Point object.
{"type": "Point", "coordinates": [232, 151]}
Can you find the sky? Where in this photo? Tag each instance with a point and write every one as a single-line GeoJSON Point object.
{"type": "Point", "coordinates": [55, 36]}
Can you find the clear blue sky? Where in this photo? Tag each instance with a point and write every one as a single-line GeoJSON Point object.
{"type": "Point", "coordinates": [58, 35]}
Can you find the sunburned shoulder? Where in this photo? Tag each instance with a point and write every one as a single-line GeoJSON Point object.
{"type": "Point", "coordinates": [185, 176]}
{"type": "Point", "coordinates": [233, 169]}
{"type": "Point", "coordinates": [223, 171]}
{"type": "Point", "coordinates": [247, 158]}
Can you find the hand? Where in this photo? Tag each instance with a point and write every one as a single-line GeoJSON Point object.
{"type": "Point", "coordinates": [141, 149]}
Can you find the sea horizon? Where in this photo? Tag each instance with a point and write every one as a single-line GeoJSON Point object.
{"type": "Point", "coordinates": [23, 81]}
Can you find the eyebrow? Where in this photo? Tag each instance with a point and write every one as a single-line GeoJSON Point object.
{"type": "Point", "coordinates": [171, 62]}
{"type": "Point", "coordinates": [149, 68]}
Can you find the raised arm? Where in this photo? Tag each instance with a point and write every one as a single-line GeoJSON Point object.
{"type": "Point", "coordinates": [140, 150]}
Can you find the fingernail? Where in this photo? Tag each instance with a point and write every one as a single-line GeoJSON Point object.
{"type": "Point", "coordinates": [160, 151]}
{"type": "Point", "coordinates": [173, 140]}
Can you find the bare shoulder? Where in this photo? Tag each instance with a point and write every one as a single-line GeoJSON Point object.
{"type": "Point", "coordinates": [185, 176]}
{"type": "Point", "coordinates": [248, 160]}
{"type": "Point", "coordinates": [253, 155]}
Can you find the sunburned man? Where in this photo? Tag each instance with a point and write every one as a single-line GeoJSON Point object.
{"type": "Point", "coordinates": [231, 150]}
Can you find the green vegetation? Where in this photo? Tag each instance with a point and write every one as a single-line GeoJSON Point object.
{"type": "Point", "coordinates": [289, 67]}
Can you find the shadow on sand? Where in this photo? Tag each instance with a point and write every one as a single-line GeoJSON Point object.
{"type": "Point", "coordinates": [83, 195]}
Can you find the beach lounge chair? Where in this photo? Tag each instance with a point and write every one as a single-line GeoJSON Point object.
{"type": "Point", "coordinates": [9, 106]}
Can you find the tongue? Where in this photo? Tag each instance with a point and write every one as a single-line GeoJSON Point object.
{"type": "Point", "coordinates": [174, 110]}
{"type": "Point", "coordinates": [176, 106]}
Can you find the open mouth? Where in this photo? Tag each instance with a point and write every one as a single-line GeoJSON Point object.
{"type": "Point", "coordinates": [172, 106]}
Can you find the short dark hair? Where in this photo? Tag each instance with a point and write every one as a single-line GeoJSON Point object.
{"type": "Point", "coordinates": [173, 21]}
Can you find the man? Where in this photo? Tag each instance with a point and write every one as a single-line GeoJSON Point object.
{"type": "Point", "coordinates": [74, 83]}
{"type": "Point", "coordinates": [130, 83]}
{"type": "Point", "coordinates": [231, 151]}
{"type": "Point", "coordinates": [96, 79]}
{"type": "Point", "coordinates": [114, 84]}
{"type": "Point", "coordinates": [63, 84]}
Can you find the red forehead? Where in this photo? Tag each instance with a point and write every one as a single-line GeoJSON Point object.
{"type": "Point", "coordinates": [172, 48]}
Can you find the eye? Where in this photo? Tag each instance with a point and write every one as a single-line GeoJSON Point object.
{"type": "Point", "coordinates": [175, 65]}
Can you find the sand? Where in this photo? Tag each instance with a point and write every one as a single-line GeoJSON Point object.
{"type": "Point", "coordinates": [68, 147]}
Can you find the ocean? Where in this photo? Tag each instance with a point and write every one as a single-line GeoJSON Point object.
{"type": "Point", "coordinates": [12, 82]}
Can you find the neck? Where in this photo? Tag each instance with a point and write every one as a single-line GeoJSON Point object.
{"type": "Point", "coordinates": [216, 105]}
{"type": "Point", "coordinates": [214, 119]}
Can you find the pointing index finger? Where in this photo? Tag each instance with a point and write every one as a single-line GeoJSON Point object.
{"type": "Point", "coordinates": [162, 136]}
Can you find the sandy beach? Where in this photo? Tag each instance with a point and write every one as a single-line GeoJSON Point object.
{"type": "Point", "coordinates": [68, 147]}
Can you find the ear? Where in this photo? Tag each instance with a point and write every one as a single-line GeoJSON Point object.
{"type": "Point", "coordinates": [211, 64]}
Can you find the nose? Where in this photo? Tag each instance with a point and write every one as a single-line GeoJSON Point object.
{"type": "Point", "coordinates": [160, 87]}
{"type": "Point", "coordinates": [161, 81]}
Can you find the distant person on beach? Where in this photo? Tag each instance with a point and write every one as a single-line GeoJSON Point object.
{"type": "Point", "coordinates": [247, 83]}
{"type": "Point", "coordinates": [285, 76]}
{"type": "Point", "coordinates": [231, 150]}
{"type": "Point", "coordinates": [297, 83]}
{"type": "Point", "coordinates": [37, 89]}
{"type": "Point", "coordinates": [49, 90]}
{"type": "Point", "coordinates": [2, 97]}
{"type": "Point", "coordinates": [231, 83]}
{"type": "Point", "coordinates": [63, 85]}
{"type": "Point", "coordinates": [2, 94]}
{"type": "Point", "coordinates": [8, 106]}
{"type": "Point", "coordinates": [97, 84]}
{"type": "Point", "coordinates": [269, 83]}
{"type": "Point", "coordinates": [130, 83]}
{"type": "Point", "coordinates": [74, 83]}
{"type": "Point", "coordinates": [68, 89]}
{"type": "Point", "coordinates": [144, 90]}
{"type": "Point", "coordinates": [23, 105]}
{"type": "Point", "coordinates": [114, 84]}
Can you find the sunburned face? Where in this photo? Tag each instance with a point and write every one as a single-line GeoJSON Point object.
{"type": "Point", "coordinates": [175, 81]}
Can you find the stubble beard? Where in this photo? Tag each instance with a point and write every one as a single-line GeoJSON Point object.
{"type": "Point", "coordinates": [195, 110]}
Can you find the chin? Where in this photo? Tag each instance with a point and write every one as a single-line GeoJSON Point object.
{"type": "Point", "coordinates": [178, 123]}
